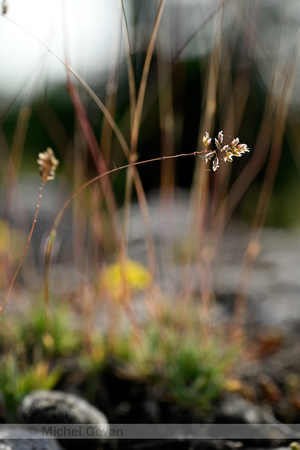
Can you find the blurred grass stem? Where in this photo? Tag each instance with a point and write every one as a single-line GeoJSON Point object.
{"type": "Point", "coordinates": [52, 234]}
{"type": "Point", "coordinates": [26, 246]}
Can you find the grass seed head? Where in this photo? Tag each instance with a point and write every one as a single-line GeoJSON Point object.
{"type": "Point", "coordinates": [47, 165]}
{"type": "Point", "coordinates": [222, 152]}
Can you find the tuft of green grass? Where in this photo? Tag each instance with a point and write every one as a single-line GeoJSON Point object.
{"type": "Point", "coordinates": [176, 349]}
{"type": "Point", "coordinates": [33, 345]}
{"type": "Point", "coordinates": [170, 350]}
{"type": "Point", "coordinates": [174, 354]}
{"type": "Point", "coordinates": [48, 336]}
{"type": "Point", "coordinates": [18, 379]}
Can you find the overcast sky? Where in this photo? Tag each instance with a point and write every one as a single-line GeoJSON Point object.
{"type": "Point", "coordinates": [88, 30]}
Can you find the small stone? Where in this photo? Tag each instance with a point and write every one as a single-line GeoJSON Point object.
{"type": "Point", "coordinates": [55, 407]}
{"type": "Point", "coordinates": [16, 438]}
{"type": "Point", "coordinates": [235, 409]}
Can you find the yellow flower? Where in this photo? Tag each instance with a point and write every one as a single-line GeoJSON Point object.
{"type": "Point", "coordinates": [129, 276]}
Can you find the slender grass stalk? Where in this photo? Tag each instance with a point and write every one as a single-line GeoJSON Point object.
{"type": "Point", "coordinates": [95, 151]}
{"type": "Point", "coordinates": [193, 35]}
{"type": "Point", "coordinates": [52, 234]}
{"type": "Point", "coordinates": [11, 173]}
{"type": "Point", "coordinates": [167, 125]}
{"type": "Point", "coordinates": [47, 166]}
{"type": "Point", "coordinates": [142, 89]}
{"type": "Point", "coordinates": [131, 78]}
{"type": "Point", "coordinates": [85, 86]}
{"type": "Point", "coordinates": [222, 151]}
{"type": "Point", "coordinates": [132, 175]}
{"type": "Point", "coordinates": [253, 248]}
{"type": "Point", "coordinates": [110, 103]}
{"type": "Point", "coordinates": [130, 153]}
{"type": "Point", "coordinates": [26, 247]}
{"type": "Point", "coordinates": [200, 187]}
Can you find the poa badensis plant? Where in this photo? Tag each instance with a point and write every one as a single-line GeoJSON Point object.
{"type": "Point", "coordinates": [189, 368]}
{"type": "Point", "coordinates": [227, 152]}
{"type": "Point", "coordinates": [177, 345]}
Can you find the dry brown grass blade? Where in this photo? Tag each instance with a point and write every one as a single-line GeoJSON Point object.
{"type": "Point", "coordinates": [85, 86]}
{"type": "Point", "coordinates": [53, 231]}
{"type": "Point", "coordinates": [133, 175]}
{"type": "Point", "coordinates": [131, 77]}
{"type": "Point", "coordinates": [199, 205]}
{"type": "Point", "coordinates": [47, 166]}
{"type": "Point", "coordinates": [277, 136]}
{"type": "Point", "coordinates": [96, 154]}
{"type": "Point", "coordinates": [25, 250]}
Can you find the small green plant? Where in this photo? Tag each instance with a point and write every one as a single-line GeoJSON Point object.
{"type": "Point", "coordinates": [189, 368]}
{"type": "Point", "coordinates": [173, 352]}
{"type": "Point", "coordinates": [175, 345]}
{"type": "Point", "coordinates": [18, 379]}
{"type": "Point", "coordinates": [33, 346]}
{"type": "Point", "coordinates": [36, 335]}
{"type": "Point", "coordinates": [53, 334]}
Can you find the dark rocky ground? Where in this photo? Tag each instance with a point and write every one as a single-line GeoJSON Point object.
{"type": "Point", "coordinates": [268, 416]}
{"type": "Point", "coordinates": [270, 378]}
{"type": "Point", "coordinates": [270, 392]}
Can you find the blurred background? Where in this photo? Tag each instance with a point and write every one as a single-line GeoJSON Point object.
{"type": "Point", "coordinates": [105, 83]}
{"type": "Point", "coordinates": [216, 65]}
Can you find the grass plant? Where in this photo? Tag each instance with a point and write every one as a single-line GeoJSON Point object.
{"type": "Point", "coordinates": [17, 381]}
{"type": "Point", "coordinates": [177, 346]}
{"type": "Point", "coordinates": [30, 347]}
{"type": "Point", "coordinates": [172, 352]}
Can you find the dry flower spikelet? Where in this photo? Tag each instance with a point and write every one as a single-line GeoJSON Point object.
{"type": "Point", "coordinates": [47, 165]}
{"type": "Point", "coordinates": [222, 152]}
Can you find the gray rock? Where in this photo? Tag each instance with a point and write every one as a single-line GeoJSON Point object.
{"type": "Point", "coordinates": [55, 407]}
{"type": "Point", "coordinates": [235, 409]}
{"type": "Point", "coordinates": [15, 438]}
